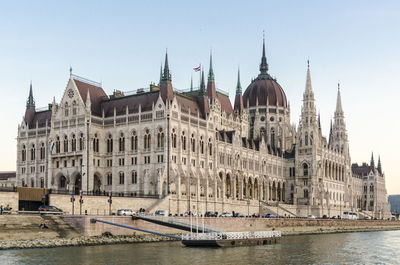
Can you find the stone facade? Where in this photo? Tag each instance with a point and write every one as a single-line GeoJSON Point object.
{"type": "Point", "coordinates": [193, 145]}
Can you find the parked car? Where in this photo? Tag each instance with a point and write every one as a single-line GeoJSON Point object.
{"type": "Point", "coordinates": [269, 215]}
{"type": "Point", "coordinates": [160, 213]}
{"type": "Point", "coordinates": [238, 215]}
{"type": "Point", "coordinates": [49, 208]}
{"type": "Point", "coordinates": [310, 216]}
{"type": "Point", "coordinates": [210, 214]}
{"type": "Point", "coordinates": [226, 215]}
{"type": "Point", "coordinates": [325, 216]}
{"type": "Point", "coordinates": [125, 212]}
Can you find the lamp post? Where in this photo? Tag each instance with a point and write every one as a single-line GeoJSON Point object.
{"type": "Point", "coordinates": [80, 202]}
{"type": "Point", "coordinates": [73, 202]}
{"type": "Point", "coordinates": [110, 202]}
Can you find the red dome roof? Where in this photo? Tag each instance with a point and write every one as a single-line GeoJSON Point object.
{"type": "Point", "coordinates": [267, 90]}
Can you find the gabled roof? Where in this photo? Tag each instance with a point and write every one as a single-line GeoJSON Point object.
{"type": "Point", "coordinates": [7, 175]}
{"type": "Point", "coordinates": [362, 170]}
{"type": "Point", "coordinates": [225, 102]}
{"type": "Point", "coordinates": [146, 100]}
{"type": "Point", "coordinates": [97, 94]}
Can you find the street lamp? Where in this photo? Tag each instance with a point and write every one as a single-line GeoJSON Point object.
{"type": "Point", "coordinates": [110, 202]}
{"type": "Point", "coordinates": [73, 202]}
{"type": "Point", "coordinates": [80, 202]}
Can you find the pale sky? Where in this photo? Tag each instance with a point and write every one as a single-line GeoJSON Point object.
{"type": "Point", "coordinates": [122, 43]}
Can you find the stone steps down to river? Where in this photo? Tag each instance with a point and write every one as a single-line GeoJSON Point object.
{"type": "Point", "coordinates": [15, 227]}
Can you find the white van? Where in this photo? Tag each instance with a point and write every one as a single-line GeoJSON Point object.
{"type": "Point", "coordinates": [350, 216]}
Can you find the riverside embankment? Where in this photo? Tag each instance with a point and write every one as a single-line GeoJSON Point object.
{"type": "Point", "coordinates": [22, 231]}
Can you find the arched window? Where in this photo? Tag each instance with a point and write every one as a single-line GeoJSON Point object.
{"type": "Point", "coordinates": [305, 193]}
{"type": "Point", "coordinates": [121, 178]}
{"type": "Point", "coordinates": [311, 138]}
{"type": "Point", "coordinates": [122, 143]}
{"type": "Point", "coordinates": [42, 151]}
{"type": "Point", "coordinates": [66, 109]}
{"type": "Point", "coordinates": [95, 143]}
{"type": "Point", "coordinates": [63, 182]}
{"type": "Point", "coordinates": [306, 139]}
{"type": "Point", "coordinates": [109, 179]}
{"type": "Point", "coordinates": [305, 170]}
{"type": "Point", "coordinates": [134, 177]}
{"type": "Point", "coordinates": [201, 145]}
{"type": "Point", "coordinates": [65, 143]}
{"type": "Point", "coordinates": [210, 152]}
{"type": "Point", "coordinates": [33, 152]}
{"type": "Point", "coordinates": [42, 182]}
{"type": "Point", "coordinates": [146, 140]}
{"type": "Point", "coordinates": [58, 145]}
{"type": "Point", "coordinates": [193, 142]}
{"type": "Point", "coordinates": [134, 141]}
{"type": "Point", "coordinates": [73, 143]}
{"type": "Point", "coordinates": [23, 153]}
{"type": "Point", "coordinates": [32, 183]}
{"type": "Point", "coordinates": [109, 144]}
{"type": "Point", "coordinates": [74, 107]}
{"type": "Point", "coordinates": [183, 138]}
{"type": "Point", "coordinates": [272, 137]}
{"type": "Point", "coordinates": [173, 136]}
{"type": "Point", "coordinates": [371, 188]}
{"type": "Point", "coordinates": [160, 138]}
{"type": "Point", "coordinates": [81, 142]}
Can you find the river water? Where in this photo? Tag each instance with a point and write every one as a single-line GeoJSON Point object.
{"type": "Point", "coordinates": [344, 248]}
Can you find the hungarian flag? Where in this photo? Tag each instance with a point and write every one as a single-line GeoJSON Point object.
{"type": "Point", "coordinates": [196, 69]}
{"type": "Point", "coordinates": [51, 145]}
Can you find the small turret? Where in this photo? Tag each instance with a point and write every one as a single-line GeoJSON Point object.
{"type": "Point", "coordinates": [379, 165]}
{"type": "Point", "coordinates": [211, 90]}
{"type": "Point", "coordinates": [372, 164]}
{"type": "Point", "coordinates": [238, 106]}
{"type": "Point", "coordinates": [30, 103]}
{"type": "Point", "coordinates": [166, 89]}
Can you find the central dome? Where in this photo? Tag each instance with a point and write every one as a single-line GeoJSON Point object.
{"type": "Point", "coordinates": [264, 88]}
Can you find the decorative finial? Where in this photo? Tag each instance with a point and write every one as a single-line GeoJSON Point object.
{"type": "Point", "coordinates": [308, 63]}
{"type": "Point", "coordinates": [70, 70]}
{"type": "Point", "coordinates": [338, 85]}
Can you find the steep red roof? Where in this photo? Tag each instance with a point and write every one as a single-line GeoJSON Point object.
{"type": "Point", "coordinates": [186, 103]}
{"type": "Point", "coordinates": [41, 117]}
{"type": "Point", "coordinates": [97, 94]}
{"type": "Point", "coordinates": [146, 100]}
{"type": "Point", "coordinates": [362, 171]}
{"type": "Point", "coordinates": [7, 175]}
{"type": "Point", "coordinates": [225, 102]}
{"type": "Point", "coordinates": [265, 89]}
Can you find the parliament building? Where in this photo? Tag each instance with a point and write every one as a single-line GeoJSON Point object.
{"type": "Point", "coordinates": [195, 146]}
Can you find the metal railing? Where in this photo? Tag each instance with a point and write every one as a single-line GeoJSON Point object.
{"type": "Point", "coordinates": [106, 193]}
{"type": "Point", "coordinates": [232, 235]}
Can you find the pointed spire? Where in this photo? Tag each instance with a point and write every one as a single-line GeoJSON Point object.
{"type": "Point", "coordinates": [319, 120]}
{"type": "Point", "coordinates": [330, 134]}
{"type": "Point", "coordinates": [238, 86]}
{"type": "Point", "coordinates": [191, 83]}
{"type": "Point", "coordinates": [30, 103]}
{"type": "Point", "coordinates": [210, 71]}
{"type": "Point", "coordinates": [372, 160]}
{"type": "Point", "coordinates": [70, 71]}
{"type": "Point", "coordinates": [264, 64]}
{"type": "Point", "coordinates": [339, 101]}
{"type": "Point", "coordinates": [379, 165]}
{"type": "Point", "coordinates": [166, 76]}
{"type": "Point", "coordinates": [202, 84]}
{"type": "Point", "coordinates": [308, 80]}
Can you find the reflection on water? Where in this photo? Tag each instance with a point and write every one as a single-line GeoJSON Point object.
{"type": "Point", "coordinates": [344, 248]}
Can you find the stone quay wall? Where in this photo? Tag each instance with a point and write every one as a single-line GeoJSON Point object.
{"type": "Point", "coordinates": [288, 226]}
{"type": "Point", "coordinates": [9, 198]}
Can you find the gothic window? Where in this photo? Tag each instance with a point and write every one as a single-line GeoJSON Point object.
{"type": "Point", "coordinates": [311, 138]}
{"type": "Point", "coordinates": [262, 132]}
{"type": "Point", "coordinates": [109, 179]}
{"type": "Point", "coordinates": [160, 138]}
{"type": "Point", "coordinates": [23, 153]}
{"type": "Point", "coordinates": [273, 137]}
{"type": "Point", "coordinates": [95, 143]}
{"type": "Point", "coordinates": [65, 143]}
{"type": "Point", "coordinates": [42, 151]}
{"type": "Point", "coordinates": [122, 143]}
{"type": "Point", "coordinates": [58, 144]}
{"type": "Point", "coordinates": [73, 143]}
{"type": "Point", "coordinates": [210, 147]}
{"type": "Point", "coordinates": [173, 138]}
{"type": "Point", "coordinates": [66, 109]}
{"type": "Point", "coordinates": [305, 193]}
{"type": "Point", "coordinates": [74, 108]}
{"type": "Point", "coordinates": [193, 142]}
{"type": "Point", "coordinates": [371, 188]}
{"type": "Point", "coordinates": [134, 177]}
{"type": "Point", "coordinates": [306, 139]}
{"type": "Point", "coordinates": [81, 142]}
{"type": "Point", "coordinates": [305, 170]}
{"type": "Point", "coordinates": [33, 152]}
{"type": "Point", "coordinates": [201, 145]}
{"type": "Point", "coordinates": [134, 141]}
{"type": "Point", "coordinates": [121, 178]}
{"type": "Point", "coordinates": [147, 140]}
{"type": "Point", "coordinates": [109, 144]}
{"type": "Point", "coordinates": [32, 183]}
{"type": "Point", "coordinates": [183, 138]}
{"type": "Point", "coordinates": [41, 182]}
{"type": "Point", "coordinates": [63, 181]}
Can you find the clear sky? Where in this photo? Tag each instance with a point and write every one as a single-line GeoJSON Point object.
{"type": "Point", "coordinates": [122, 44]}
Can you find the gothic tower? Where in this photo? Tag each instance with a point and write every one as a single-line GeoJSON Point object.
{"type": "Point", "coordinates": [339, 141]}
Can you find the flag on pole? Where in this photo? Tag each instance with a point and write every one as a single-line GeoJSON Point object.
{"type": "Point", "coordinates": [196, 69]}
{"type": "Point", "coordinates": [51, 146]}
